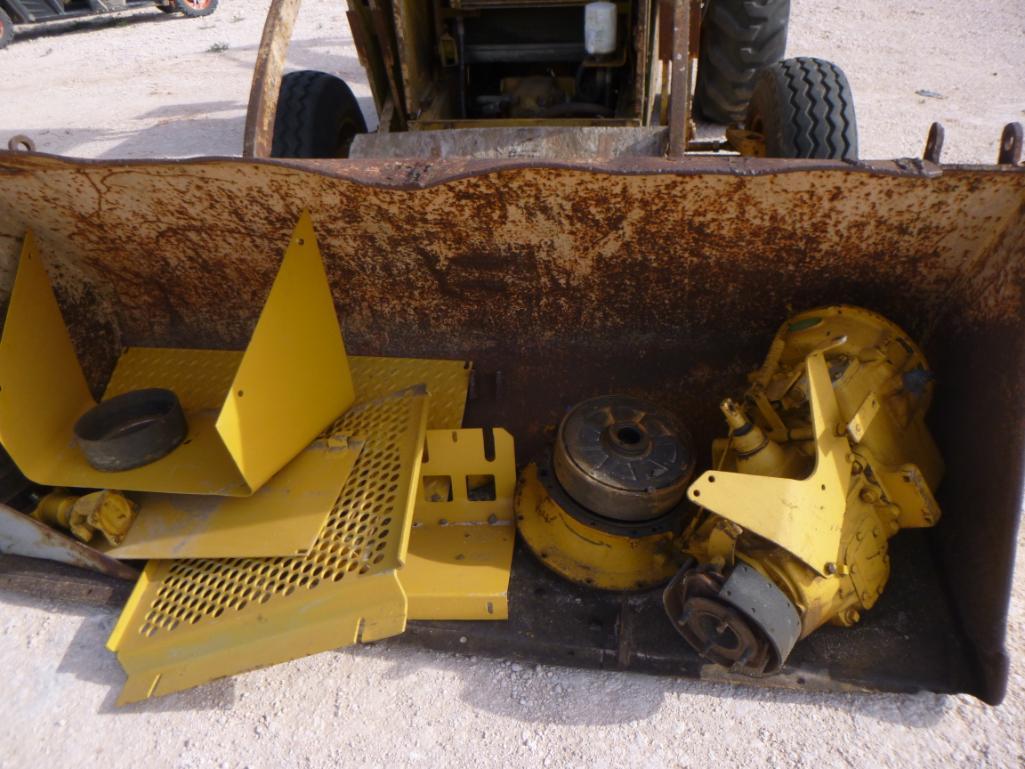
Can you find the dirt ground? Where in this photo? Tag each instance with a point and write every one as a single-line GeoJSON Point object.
{"type": "Point", "coordinates": [145, 85]}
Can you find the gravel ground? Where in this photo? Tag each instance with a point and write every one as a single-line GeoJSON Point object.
{"type": "Point", "coordinates": [146, 85]}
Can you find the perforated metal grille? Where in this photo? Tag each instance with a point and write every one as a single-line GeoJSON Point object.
{"type": "Point", "coordinates": [447, 382]}
{"type": "Point", "coordinates": [366, 532]}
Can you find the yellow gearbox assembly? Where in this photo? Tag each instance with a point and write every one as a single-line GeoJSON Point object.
{"type": "Point", "coordinates": [827, 457]}
{"type": "Point", "coordinates": [603, 506]}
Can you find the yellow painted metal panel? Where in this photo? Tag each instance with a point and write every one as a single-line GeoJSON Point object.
{"type": "Point", "coordinates": [286, 514]}
{"type": "Point", "coordinates": [295, 370]}
{"type": "Point", "coordinates": [294, 377]}
{"type": "Point", "coordinates": [37, 363]}
{"type": "Point", "coordinates": [283, 518]}
{"type": "Point", "coordinates": [191, 621]}
{"type": "Point", "coordinates": [447, 383]}
{"type": "Point", "coordinates": [461, 550]}
{"type": "Point", "coordinates": [202, 378]}
{"type": "Point", "coordinates": [459, 572]}
{"type": "Point", "coordinates": [806, 516]}
{"type": "Point", "coordinates": [459, 455]}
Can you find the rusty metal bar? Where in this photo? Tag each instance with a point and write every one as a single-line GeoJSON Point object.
{"type": "Point", "coordinates": [1011, 141]}
{"type": "Point", "coordinates": [934, 144]}
{"type": "Point", "coordinates": [679, 96]}
{"type": "Point", "coordinates": [270, 62]}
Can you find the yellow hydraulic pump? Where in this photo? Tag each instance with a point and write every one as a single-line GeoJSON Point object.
{"type": "Point", "coordinates": [827, 457]}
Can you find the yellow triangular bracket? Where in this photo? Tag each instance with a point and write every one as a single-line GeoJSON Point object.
{"type": "Point", "coordinates": [246, 419]}
{"type": "Point", "coordinates": [804, 517]}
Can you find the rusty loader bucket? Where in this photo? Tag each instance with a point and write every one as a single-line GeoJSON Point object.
{"type": "Point", "coordinates": [658, 279]}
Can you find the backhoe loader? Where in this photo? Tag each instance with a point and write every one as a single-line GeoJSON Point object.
{"type": "Point", "coordinates": [631, 221]}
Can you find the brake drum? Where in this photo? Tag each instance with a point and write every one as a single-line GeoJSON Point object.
{"type": "Point", "coordinates": [603, 505]}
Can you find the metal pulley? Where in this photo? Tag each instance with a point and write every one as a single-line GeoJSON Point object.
{"type": "Point", "coordinates": [743, 621]}
{"type": "Point", "coordinates": [603, 506]}
{"type": "Point", "coordinates": [622, 459]}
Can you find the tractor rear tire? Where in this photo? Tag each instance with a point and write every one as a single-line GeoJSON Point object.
{"type": "Point", "coordinates": [804, 108]}
{"type": "Point", "coordinates": [738, 38]}
{"type": "Point", "coordinates": [317, 117]}
{"type": "Point", "coordinates": [6, 29]}
{"type": "Point", "coordinates": [195, 8]}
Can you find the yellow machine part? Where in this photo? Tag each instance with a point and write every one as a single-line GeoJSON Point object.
{"type": "Point", "coordinates": [285, 517]}
{"type": "Point", "coordinates": [245, 423]}
{"type": "Point", "coordinates": [867, 387]}
{"type": "Point", "coordinates": [584, 553]}
{"type": "Point", "coordinates": [190, 621]}
{"type": "Point", "coordinates": [107, 512]}
{"type": "Point", "coordinates": [460, 551]}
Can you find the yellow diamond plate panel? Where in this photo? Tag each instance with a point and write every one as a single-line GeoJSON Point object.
{"type": "Point", "coordinates": [282, 518]}
{"type": "Point", "coordinates": [191, 621]}
{"type": "Point", "coordinates": [447, 383]}
{"type": "Point", "coordinates": [461, 550]}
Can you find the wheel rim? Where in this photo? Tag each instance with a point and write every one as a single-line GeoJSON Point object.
{"type": "Point", "coordinates": [198, 5]}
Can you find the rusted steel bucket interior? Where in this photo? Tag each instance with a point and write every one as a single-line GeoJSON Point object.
{"type": "Point", "coordinates": [643, 277]}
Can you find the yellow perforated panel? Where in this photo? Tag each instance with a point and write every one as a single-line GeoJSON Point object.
{"type": "Point", "coordinates": [447, 382]}
{"type": "Point", "coordinates": [191, 621]}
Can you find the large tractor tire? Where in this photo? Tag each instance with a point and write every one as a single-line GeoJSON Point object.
{"type": "Point", "coordinates": [803, 108]}
{"type": "Point", "coordinates": [317, 117]}
{"type": "Point", "coordinates": [738, 38]}
{"type": "Point", "coordinates": [6, 29]}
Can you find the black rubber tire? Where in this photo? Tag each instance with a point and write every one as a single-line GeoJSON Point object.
{"type": "Point", "coordinates": [196, 8]}
{"type": "Point", "coordinates": [317, 117]}
{"type": "Point", "coordinates": [738, 38]}
{"type": "Point", "coordinates": [6, 29]}
{"type": "Point", "coordinates": [804, 108]}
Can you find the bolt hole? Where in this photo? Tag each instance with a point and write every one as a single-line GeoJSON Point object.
{"type": "Point", "coordinates": [711, 479]}
{"type": "Point", "coordinates": [697, 492]}
{"type": "Point", "coordinates": [631, 436]}
{"type": "Point", "coordinates": [823, 487]}
{"type": "Point", "coordinates": [241, 393]}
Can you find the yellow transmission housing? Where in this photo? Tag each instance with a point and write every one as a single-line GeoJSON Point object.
{"type": "Point", "coordinates": [828, 456]}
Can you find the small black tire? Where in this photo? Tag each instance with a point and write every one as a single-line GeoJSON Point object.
{"type": "Point", "coordinates": [804, 108]}
{"type": "Point", "coordinates": [317, 117]}
{"type": "Point", "coordinates": [738, 38]}
{"type": "Point", "coordinates": [6, 29]}
{"type": "Point", "coordinates": [196, 8]}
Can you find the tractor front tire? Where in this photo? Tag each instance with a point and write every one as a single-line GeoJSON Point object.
{"type": "Point", "coordinates": [193, 8]}
{"type": "Point", "coordinates": [738, 38]}
{"type": "Point", "coordinates": [317, 117]}
{"type": "Point", "coordinates": [804, 108]}
{"type": "Point", "coordinates": [6, 29]}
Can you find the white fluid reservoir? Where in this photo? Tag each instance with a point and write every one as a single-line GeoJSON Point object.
{"type": "Point", "coordinates": [600, 28]}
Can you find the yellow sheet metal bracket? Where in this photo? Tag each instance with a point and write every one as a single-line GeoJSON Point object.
{"type": "Point", "coordinates": [247, 416]}
{"type": "Point", "coordinates": [461, 550]}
